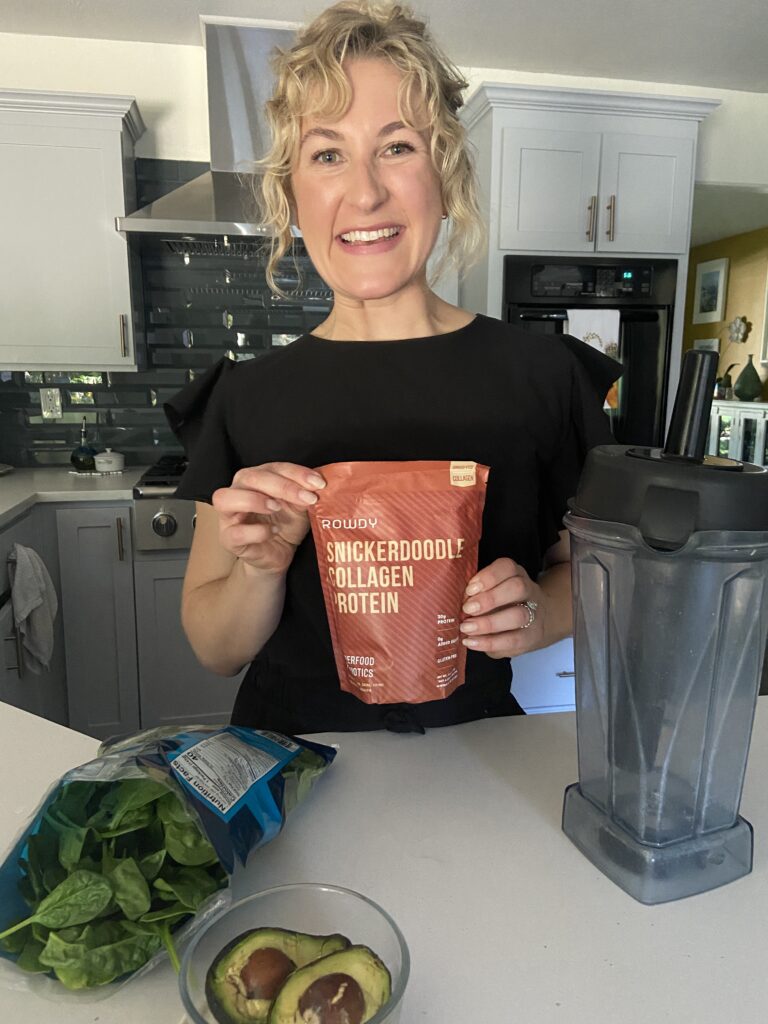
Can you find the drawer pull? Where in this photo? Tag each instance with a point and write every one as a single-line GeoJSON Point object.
{"type": "Point", "coordinates": [123, 338]}
{"type": "Point", "coordinates": [591, 210]}
{"type": "Point", "coordinates": [611, 208]}
{"type": "Point", "coordinates": [19, 652]}
{"type": "Point", "coordinates": [120, 543]}
{"type": "Point", "coordinates": [565, 675]}
{"type": "Point", "coordinates": [15, 639]}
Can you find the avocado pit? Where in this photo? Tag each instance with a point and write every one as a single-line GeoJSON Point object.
{"type": "Point", "coordinates": [333, 999]}
{"type": "Point", "coordinates": [264, 972]}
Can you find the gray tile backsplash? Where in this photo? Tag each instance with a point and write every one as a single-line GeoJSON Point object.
{"type": "Point", "coordinates": [197, 307]}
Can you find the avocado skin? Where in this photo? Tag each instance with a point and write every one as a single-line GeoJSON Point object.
{"type": "Point", "coordinates": [359, 962]}
{"type": "Point", "coordinates": [301, 947]}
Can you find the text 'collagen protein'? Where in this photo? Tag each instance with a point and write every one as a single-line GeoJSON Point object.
{"type": "Point", "coordinates": [396, 546]}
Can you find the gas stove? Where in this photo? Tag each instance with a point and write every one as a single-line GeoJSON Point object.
{"type": "Point", "coordinates": [162, 479]}
{"type": "Point", "coordinates": [160, 521]}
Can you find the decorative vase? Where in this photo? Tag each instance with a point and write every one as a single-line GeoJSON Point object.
{"type": "Point", "coordinates": [748, 385]}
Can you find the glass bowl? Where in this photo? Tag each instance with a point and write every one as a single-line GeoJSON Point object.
{"type": "Point", "coordinates": [304, 907]}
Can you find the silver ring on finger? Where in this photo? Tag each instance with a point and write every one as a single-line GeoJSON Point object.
{"type": "Point", "coordinates": [530, 607]}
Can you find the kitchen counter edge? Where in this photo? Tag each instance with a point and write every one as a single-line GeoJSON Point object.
{"type": "Point", "coordinates": [22, 489]}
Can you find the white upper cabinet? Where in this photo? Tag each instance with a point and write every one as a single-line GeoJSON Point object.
{"type": "Point", "coordinates": [566, 171]}
{"type": "Point", "coordinates": [594, 191]}
{"type": "Point", "coordinates": [548, 197]}
{"type": "Point", "coordinates": [644, 190]}
{"type": "Point", "coordinates": [576, 191]}
{"type": "Point", "coordinates": [66, 172]}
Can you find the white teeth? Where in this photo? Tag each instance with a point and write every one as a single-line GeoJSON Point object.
{"type": "Point", "coordinates": [370, 236]}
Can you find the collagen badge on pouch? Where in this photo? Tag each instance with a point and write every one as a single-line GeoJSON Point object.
{"type": "Point", "coordinates": [397, 545]}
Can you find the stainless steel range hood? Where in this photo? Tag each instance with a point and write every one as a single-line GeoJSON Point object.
{"type": "Point", "coordinates": [240, 81]}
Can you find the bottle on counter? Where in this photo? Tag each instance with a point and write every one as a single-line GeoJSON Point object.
{"type": "Point", "coordinates": [82, 458]}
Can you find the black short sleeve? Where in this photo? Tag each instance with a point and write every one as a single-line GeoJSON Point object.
{"type": "Point", "coordinates": [585, 426]}
{"type": "Point", "coordinates": [198, 417]}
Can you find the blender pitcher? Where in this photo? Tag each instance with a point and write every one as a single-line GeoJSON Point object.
{"type": "Point", "coordinates": [669, 555]}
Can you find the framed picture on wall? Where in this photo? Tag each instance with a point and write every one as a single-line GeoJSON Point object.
{"type": "Point", "coordinates": [709, 291]}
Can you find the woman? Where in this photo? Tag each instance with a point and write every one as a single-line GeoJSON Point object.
{"type": "Point", "coordinates": [368, 159]}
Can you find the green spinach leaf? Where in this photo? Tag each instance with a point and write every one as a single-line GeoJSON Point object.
{"type": "Point", "coordinates": [72, 800]}
{"type": "Point", "coordinates": [189, 885]}
{"type": "Point", "coordinates": [131, 889]}
{"type": "Point", "coordinates": [29, 958]}
{"type": "Point", "coordinates": [187, 844]}
{"type": "Point", "coordinates": [76, 966]}
{"type": "Point", "coordinates": [151, 865]}
{"type": "Point", "coordinates": [77, 900]}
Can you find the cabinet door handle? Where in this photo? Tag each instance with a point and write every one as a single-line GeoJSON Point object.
{"type": "Point", "coordinates": [123, 336]}
{"type": "Point", "coordinates": [611, 208]}
{"type": "Point", "coordinates": [19, 653]}
{"type": "Point", "coordinates": [19, 666]}
{"type": "Point", "coordinates": [591, 210]}
{"type": "Point", "coordinates": [120, 544]}
{"type": "Point", "coordinates": [564, 675]}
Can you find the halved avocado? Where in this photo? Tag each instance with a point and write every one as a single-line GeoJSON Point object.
{"type": "Point", "coordinates": [348, 987]}
{"type": "Point", "coordinates": [245, 977]}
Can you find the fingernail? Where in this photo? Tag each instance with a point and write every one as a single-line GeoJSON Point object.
{"type": "Point", "coordinates": [470, 643]}
{"type": "Point", "coordinates": [308, 496]}
{"type": "Point", "coordinates": [474, 588]}
{"type": "Point", "coordinates": [315, 481]}
{"type": "Point", "coordinates": [273, 506]}
{"type": "Point", "coordinates": [471, 607]}
{"type": "Point", "coordinates": [275, 529]}
{"type": "Point", "coordinates": [468, 627]}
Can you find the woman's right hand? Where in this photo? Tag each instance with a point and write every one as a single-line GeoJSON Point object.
{"type": "Point", "coordinates": [263, 513]}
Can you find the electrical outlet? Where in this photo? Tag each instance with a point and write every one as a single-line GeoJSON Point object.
{"type": "Point", "coordinates": [50, 403]}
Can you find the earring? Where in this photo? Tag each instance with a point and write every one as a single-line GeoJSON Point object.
{"type": "Point", "coordinates": [445, 216]}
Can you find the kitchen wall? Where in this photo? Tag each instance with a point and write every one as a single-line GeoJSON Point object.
{"type": "Point", "coordinates": [195, 310]}
{"type": "Point", "coordinates": [168, 82]}
{"type": "Point", "coordinates": [745, 296]}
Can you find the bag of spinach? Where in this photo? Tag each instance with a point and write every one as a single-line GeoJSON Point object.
{"type": "Point", "coordinates": [128, 853]}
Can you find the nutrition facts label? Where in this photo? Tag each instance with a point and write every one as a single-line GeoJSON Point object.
{"type": "Point", "coordinates": [447, 650]}
{"type": "Point", "coordinates": [222, 768]}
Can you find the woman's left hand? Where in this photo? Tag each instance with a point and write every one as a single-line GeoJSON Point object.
{"type": "Point", "coordinates": [498, 621]}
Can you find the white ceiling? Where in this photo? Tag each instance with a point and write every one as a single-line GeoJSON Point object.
{"type": "Point", "coordinates": [720, 211]}
{"type": "Point", "coordinates": [715, 43]}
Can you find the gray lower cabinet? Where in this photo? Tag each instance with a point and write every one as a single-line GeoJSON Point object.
{"type": "Point", "coordinates": [41, 693]}
{"type": "Point", "coordinates": [13, 689]}
{"type": "Point", "coordinates": [174, 688]}
{"type": "Point", "coordinates": [99, 619]}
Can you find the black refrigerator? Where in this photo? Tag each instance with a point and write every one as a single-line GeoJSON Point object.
{"type": "Point", "coordinates": [539, 291]}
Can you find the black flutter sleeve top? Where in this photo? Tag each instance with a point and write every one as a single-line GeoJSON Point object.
{"type": "Point", "coordinates": [527, 405]}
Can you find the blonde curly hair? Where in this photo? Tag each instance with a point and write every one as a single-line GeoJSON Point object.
{"type": "Point", "coordinates": [311, 80]}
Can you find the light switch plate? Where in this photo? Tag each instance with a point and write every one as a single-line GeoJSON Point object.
{"type": "Point", "coordinates": [50, 403]}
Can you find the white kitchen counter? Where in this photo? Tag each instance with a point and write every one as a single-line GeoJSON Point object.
{"type": "Point", "coordinates": [23, 488]}
{"type": "Point", "coordinates": [457, 834]}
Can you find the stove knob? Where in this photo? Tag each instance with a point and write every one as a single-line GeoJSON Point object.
{"type": "Point", "coordinates": [164, 524]}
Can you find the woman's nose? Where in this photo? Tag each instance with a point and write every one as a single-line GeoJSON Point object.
{"type": "Point", "coordinates": [366, 188]}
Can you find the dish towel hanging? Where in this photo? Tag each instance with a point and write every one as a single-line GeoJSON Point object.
{"type": "Point", "coordinates": [35, 605]}
{"type": "Point", "coordinates": [600, 329]}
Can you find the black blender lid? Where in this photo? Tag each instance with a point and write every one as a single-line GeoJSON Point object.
{"type": "Point", "coordinates": [670, 493]}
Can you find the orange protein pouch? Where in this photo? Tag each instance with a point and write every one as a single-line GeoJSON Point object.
{"type": "Point", "coordinates": [397, 545]}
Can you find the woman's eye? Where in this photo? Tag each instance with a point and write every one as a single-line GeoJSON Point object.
{"type": "Point", "coordinates": [398, 148]}
{"type": "Point", "coordinates": [326, 156]}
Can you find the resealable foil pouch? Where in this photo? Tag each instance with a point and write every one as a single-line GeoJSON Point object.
{"type": "Point", "coordinates": [128, 854]}
{"type": "Point", "coordinates": [397, 545]}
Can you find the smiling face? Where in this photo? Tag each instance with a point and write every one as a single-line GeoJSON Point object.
{"type": "Point", "coordinates": [367, 197]}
